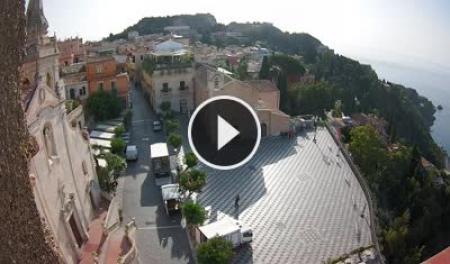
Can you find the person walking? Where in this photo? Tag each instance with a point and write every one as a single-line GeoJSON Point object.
{"type": "Point", "coordinates": [236, 201]}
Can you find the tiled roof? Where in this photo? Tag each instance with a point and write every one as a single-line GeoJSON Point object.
{"type": "Point", "coordinates": [442, 257]}
{"type": "Point", "coordinates": [263, 85]}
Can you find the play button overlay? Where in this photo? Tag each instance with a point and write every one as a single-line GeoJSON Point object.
{"type": "Point", "coordinates": [224, 132]}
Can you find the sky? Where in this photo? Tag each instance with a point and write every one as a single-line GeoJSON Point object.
{"type": "Point", "coordinates": [406, 31]}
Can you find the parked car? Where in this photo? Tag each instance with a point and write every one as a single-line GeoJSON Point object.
{"type": "Point", "coordinates": [131, 152]}
{"type": "Point", "coordinates": [157, 125]}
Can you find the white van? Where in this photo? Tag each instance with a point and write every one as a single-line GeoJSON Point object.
{"type": "Point", "coordinates": [131, 153]}
{"type": "Point", "coordinates": [227, 228]}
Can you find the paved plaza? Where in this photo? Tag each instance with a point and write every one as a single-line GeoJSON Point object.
{"type": "Point", "coordinates": [301, 199]}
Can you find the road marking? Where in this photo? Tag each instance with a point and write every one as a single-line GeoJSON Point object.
{"type": "Point", "coordinates": [159, 227]}
{"type": "Point", "coordinates": [145, 139]}
{"type": "Point", "coordinates": [141, 120]}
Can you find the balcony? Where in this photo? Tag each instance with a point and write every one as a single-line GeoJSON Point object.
{"type": "Point", "coordinates": [166, 90]}
{"type": "Point", "coordinates": [183, 88]}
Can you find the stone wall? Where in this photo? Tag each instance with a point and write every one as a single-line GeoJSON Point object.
{"type": "Point", "coordinates": [23, 238]}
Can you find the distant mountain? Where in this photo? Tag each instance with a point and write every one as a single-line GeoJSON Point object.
{"type": "Point", "coordinates": [205, 24]}
{"type": "Point", "coordinates": [202, 23]}
{"type": "Point", "coordinates": [272, 37]}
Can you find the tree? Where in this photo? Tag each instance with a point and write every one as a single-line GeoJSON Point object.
{"type": "Point", "coordinates": [115, 164]}
{"type": "Point", "coordinates": [264, 73]}
{"type": "Point", "coordinates": [127, 119]}
{"type": "Point", "coordinates": [194, 213]}
{"type": "Point", "coordinates": [191, 160]}
{"type": "Point", "coordinates": [174, 140]}
{"type": "Point", "coordinates": [367, 149]}
{"type": "Point", "coordinates": [118, 146]}
{"type": "Point", "coordinates": [242, 70]}
{"type": "Point", "coordinates": [216, 250]}
{"type": "Point", "coordinates": [171, 125]}
{"type": "Point", "coordinates": [103, 105]}
{"type": "Point", "coordinates": [193, 180]}
{"type": "Point", "coordinates": [165, 106]}
{"type": "Point", "coordinates": [118, 131]}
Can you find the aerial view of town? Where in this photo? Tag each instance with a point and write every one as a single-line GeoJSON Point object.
{"type": "Point", "coordinates": [182, 139]}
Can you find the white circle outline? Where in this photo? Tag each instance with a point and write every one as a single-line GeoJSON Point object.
{"type": "Point", "coordinates": [258, 128]}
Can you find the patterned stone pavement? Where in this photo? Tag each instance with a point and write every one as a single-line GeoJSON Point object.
{"type": "Point", "coordinates": [301, 199]}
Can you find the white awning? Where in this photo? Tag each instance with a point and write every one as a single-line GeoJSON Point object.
{"type": "Point", "coordinates": [159, 150]}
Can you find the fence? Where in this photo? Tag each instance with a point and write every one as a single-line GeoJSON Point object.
{"type": "Point", "coordinates": [365, 187]}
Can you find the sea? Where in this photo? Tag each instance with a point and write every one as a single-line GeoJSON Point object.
{"type": "Point", "coordinates": [433, 83]}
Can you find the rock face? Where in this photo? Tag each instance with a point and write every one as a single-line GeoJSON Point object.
{"type": "Point", "coordinates": [23, 236]}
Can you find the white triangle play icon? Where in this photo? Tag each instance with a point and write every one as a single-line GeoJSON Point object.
{"type": "Point", "coordinates": [225, 132]}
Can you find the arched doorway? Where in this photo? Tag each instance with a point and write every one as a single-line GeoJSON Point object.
{"type": "Point", "coordinates": [263, 130]}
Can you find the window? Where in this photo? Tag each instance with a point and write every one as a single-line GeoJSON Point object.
{"type": "Point", "coordinates": [72, 93]}
{"type": "Point", "coordinates": [49, 142]}
{"type": "Point", "coordinates": [83, 90]}
{"type": "Point", "coordinates": [75, 231]}
{"type": "Point", "coordinates": [113, 85]}
{"type": "Point", "coordinates": [99, 69]}
{"type": "Point", "coordinates": [182, 85]}
{"type": "Point", "coordinates": [84, 167]}
{"type": "Point", "coordinates": [165, 87]}
{"type": "Point", "coordinates": [100, 86]}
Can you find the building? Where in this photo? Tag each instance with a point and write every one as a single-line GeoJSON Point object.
{"type": "Point", "coordinates": [62, 172]}
{"type": "Point", "coordinates": [72, 51]}
{"type": "Point", "coordinates": [168, 77]}
{"type": "Point", "coordinates": [75, 80]}
{"type": "Point", "coordinates": [262, 95]}
{"type": "Point", "coordinates": [103, 74]}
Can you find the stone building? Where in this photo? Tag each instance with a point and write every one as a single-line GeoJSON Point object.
{"type": "Point", "coordinates": [262, 95]}
{"type": "Point", "coordinates": [170, 78]}
{"type": "Point", "coordinates": [62, 171]}
{"type": "Point", "coordinates": [75, 81]}
{"type": "Point", "coordinates": [71, 51]}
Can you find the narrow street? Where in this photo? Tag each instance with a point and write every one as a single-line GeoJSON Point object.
{"type": "Point", "coordinates": [160, 238]}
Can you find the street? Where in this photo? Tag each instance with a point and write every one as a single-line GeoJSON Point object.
{"type": "Point", "coordinates": [160, 239]}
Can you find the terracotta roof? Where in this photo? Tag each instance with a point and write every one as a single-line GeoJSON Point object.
{"type": "Point", "coordinates": [263, 85]}
{"type": "Point", "coordinates": [442, 257]}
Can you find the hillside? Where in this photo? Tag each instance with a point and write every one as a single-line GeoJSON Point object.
{"type": "Point", "coordinates": [202, 23]}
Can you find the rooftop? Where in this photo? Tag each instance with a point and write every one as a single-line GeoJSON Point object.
{"type": "Point", "coordinates": [263, 85]}
{"type": "Point", "coordinates": [442, 257]}
{"type": "Point", "coordinates": [301, 200]}
{"type": "Point", "coordinates": [158, 150]}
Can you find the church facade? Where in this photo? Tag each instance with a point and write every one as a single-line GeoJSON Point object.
{"type": "Point", "coordinates": [62, 170]}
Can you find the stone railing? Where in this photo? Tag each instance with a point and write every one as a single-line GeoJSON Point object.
{"type": "Point", "coordinates": [366, 189]}
{"type": "Point", "coordinates": [130, 235]}
{"type": "Point", "coordinates": [112, 219]}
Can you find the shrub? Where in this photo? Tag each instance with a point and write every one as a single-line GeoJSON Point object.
{"type": "Point", "coordinates": [194, 213]}
{"type": "Point", "coordinates": [175, 140]}
{"type": "Point", "coordinates": [216, 250]}
{"type": "Point", "coordinates": [118, 146]}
